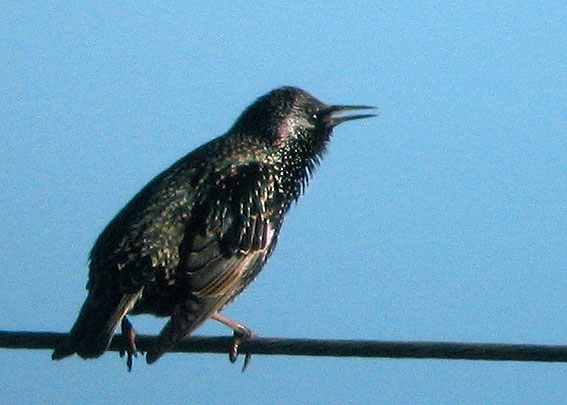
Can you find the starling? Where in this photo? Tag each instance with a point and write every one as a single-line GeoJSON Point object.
{"type": "Point", "coordinates": [194, 238]}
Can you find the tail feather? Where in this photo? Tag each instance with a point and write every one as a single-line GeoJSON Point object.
{"type": "Point", "coordinates": [92, 332]}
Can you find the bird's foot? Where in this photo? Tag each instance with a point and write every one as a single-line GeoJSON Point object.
{"type": "Point", "coordinates": [241, 334]}
{"type": "Point", "coordinates": [129, 333]}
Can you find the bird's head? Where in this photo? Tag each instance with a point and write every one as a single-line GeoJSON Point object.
{"type": "Point", "coordinates": [289, 119]}
{"type": "Point", "coordinates": [293, 127]}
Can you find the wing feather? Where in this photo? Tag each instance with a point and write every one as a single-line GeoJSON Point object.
{"type": "Point", "coordinates": [234, 240]}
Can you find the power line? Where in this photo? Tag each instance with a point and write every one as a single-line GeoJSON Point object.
{"type": "Point", "coordinates": [316, 347]}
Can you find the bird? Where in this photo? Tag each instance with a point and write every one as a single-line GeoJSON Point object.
{"type": "Point", "coordinates": [199, 233]}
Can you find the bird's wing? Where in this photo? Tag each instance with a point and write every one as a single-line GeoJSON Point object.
{"type": "Point", "coordinates": [230, 233]}
{"type": "Point", "coordinates": [228, 238]}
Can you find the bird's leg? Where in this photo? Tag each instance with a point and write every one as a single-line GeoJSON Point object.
{"type": "Point", "coordinates": [129, 333]}
{"type": "Point", "coordinates": [241, 333]}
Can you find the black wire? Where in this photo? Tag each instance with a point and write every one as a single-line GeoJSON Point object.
{"type": "Point", "coordinates": [316, 347]}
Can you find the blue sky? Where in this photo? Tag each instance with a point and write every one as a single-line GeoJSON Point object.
{"type": "Point", "coordinates": [444, 218]}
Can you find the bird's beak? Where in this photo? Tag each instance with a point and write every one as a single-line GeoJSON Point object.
{"type": "Point", "coordinates": [335, 119]}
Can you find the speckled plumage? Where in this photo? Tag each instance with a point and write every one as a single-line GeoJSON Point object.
{"type": "Point", "coordinates": [200, 232]}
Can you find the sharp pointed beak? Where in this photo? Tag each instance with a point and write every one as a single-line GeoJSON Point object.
{"type": "Point", "coordinates": [335, 119]}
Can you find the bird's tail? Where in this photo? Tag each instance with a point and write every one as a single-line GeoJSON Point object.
{"type": "Point", "coordinates": [92, 332]}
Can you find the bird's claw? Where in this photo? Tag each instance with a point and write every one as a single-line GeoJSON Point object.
{"type": "Point", "coordinates": [129, 333]}
{"type": "Point", "coordinates": [240, 336]}
{"type": "Point", "coordinates": [130, 359]}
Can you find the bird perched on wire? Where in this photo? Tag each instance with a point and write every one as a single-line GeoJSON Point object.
{"type": "Point", "coordinates": [196, 236]}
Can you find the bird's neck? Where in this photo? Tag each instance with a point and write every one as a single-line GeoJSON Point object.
{"type": "Point", "coordinates": [295, 169]}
